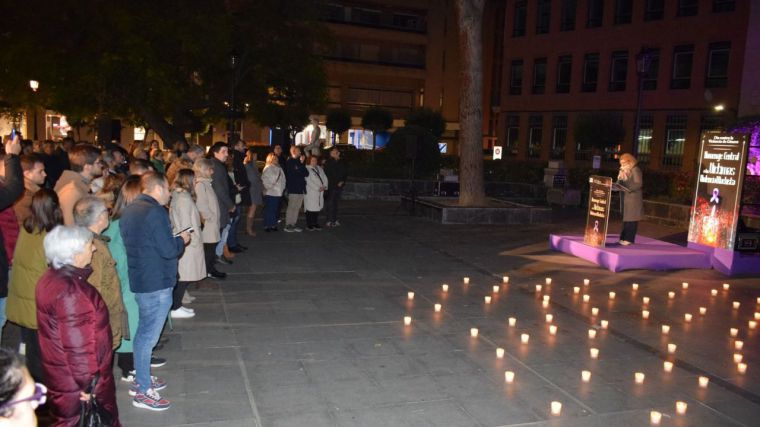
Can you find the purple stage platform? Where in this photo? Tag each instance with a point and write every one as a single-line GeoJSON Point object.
{"type": "Point", "coordinates": [646, 254]}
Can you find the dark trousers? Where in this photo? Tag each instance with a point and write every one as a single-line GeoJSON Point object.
{"type": "Point", "coordinates": [33, 355]}
{"type": "Point", "coordinates": [333, 197]}
{"type": "Point", "coordinates": [312, 218]}
{"type": "Point", "coordinates": [125, 362]}
{"type": "Point", "coordinates": [232, 240]}
{"type": "Point", "coordinates": [271, 211]}
{"type": "Point", "coordinates": [209, 251]}
{"type": "Point", "coordinates": [178, 293]}
{"type": "Point", "coordinates": [629, 231]}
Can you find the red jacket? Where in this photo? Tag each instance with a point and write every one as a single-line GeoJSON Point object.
{"type": "Point", "coordinates": [10, 230]}
{"type": "Point", "coordinates": [75, 342]}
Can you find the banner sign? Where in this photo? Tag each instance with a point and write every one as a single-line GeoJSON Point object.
{"type": "Point", "coordinates": [599, 196]}
{"type": "Point", "coordinates": [715, 212]}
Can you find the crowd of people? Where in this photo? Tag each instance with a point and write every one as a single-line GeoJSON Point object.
{"type": "Point", "coordinates": [100, 243]}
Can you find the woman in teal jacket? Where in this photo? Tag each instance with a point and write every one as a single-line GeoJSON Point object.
{"type": "Point", "coordinates": [129, 191]}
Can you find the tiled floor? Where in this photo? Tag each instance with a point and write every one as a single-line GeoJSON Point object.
{"type": "Point", "coordinates": [308, 331]}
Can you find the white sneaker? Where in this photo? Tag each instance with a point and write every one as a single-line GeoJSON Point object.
{"type": "Point", "coordinates": [336, 223]}
{"type": "Point", "coordinates": [181, 314]}
{"type": "Point", "coordinates": [189, 310]}
{"type": "Point", "coordinates": [297, 229]}
{"type": "Point", "coordinates": [289, 229]}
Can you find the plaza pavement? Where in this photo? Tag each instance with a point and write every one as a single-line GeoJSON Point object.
{"type": "Point", "coordinates": [308, 330]}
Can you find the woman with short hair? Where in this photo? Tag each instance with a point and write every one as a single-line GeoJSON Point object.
{"type": "Point", "coordinates": [630, 181]}
{"type": "Point", "coordinates": [273, 179]}
{"type": "Point", "coordinates": [73, 327]}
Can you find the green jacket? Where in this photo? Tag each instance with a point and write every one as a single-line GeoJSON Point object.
{"type": "Point", "coordinates": [119, 254]}
{"type": "Point", "coordinates": [28, 266]}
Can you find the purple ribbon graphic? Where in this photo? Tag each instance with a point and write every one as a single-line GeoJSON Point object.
{"type": "Point", "coordinates": [715, 196]}
{"type": "Point", "coordinates": [596, 226]}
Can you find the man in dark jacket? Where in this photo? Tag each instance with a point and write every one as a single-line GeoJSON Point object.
{"type": "Point", "coordinates": [243, 185]}
{"type": "Point", "coordinates": [220, 182]}
{"type": "Point", "coordinates": [11, 188]}
{"type": "Point", "coordinates": [152, 256]}
{"type": "Point", "coordinates": [337, 173]}
{"type": "Point", "coordinates": [295, 176]}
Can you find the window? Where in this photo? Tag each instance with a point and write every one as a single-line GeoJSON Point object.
{"type": "Point", "coordinates": [516, 77]}
{"type": "Point", "coordinates": [724, 5]}
{"type": "Point", "coordinates": [539, 76]}
{"type": "Point", "coordinates": [650, 77]}
{"type": "Point", "coordinates": [646, 130]}
{"type": "Point", "coordinates": [687, 7]}
{"type": "Point", "coordinates": [654, 10]}
{"type": "Point", "coordinates": [618, 71]}
{"type": "Point", "coordinates": [365, 16]}
{"type": "Point", "coordinates": [623, 11]}
{"type": "Point", "coordinates": [717, 64]}
{"type": "Point", "coordinates": [682, 61]}
{"type": "Point", "coordinates": [711, 122]}
{"type": "Point", "coordinates": [559, 137]}
{"type": "Point", "coordinates": [543, 16]}
{"type": "Point", "coordinates": [535, 134]}
{"type": "Point", "coordinates": [590, 72]}
{"type": "Point", "coordinates": [521, 12]}
{"type": "Point", "coordinates": [595, 13]}
{"type": "Point", "coordinates": [675, 140]}
{"type": "Point", "coordinates": [334, 12]}
{"type": "Point", "coordinates": [513, 134]}
{"type": "Point", "coordinates": [567, 17]}
{"type": "Point", "coordinates": [409, 22]}
{"type": "Point", "coordinates": [564, 73]}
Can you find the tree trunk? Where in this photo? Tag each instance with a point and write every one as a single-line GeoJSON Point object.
{"type": "Point", "coordinates": [470, 18]}
{"type": "Point", "coordinates": [168, 133]}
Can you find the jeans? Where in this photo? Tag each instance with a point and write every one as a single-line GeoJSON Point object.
{"type": "Point", "coordinates": [153, 308]}
{"type": "Point", "coordinates": [333, 197]}
{"type": "Point", "coordinates": [271, 211]}
{"type": "Point", "coordinates": [3, 319]}
{"type": "Point", "coordinates": [225, 235]}
{"type": "Point", "coordinates": [232, 240]}
{"type": "Point", "coordinates": [295, 202]}
{"type": "Point", "coordinates": [629, 231]}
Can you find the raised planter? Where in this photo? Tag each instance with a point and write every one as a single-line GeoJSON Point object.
{"type": "Point", "coordinates": [445, 211]}
{"type": "Point", "coordinates": [670, 214]}
{"type": "Point", "coordinates": [391, 189]}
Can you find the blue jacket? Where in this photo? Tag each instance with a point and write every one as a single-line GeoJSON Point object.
{"type": "Point", "coordinates": [295, 175]}
{"type": "Point", "coordinates": [152, 250]}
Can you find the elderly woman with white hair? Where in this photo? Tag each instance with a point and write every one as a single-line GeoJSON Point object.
{"type": "Point", "coordinates": [73, 327]}
{"type": "Point", "coordinates": [630, 182]}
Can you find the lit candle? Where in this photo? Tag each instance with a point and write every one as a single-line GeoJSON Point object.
{"type": "Point", "coordinates": [726, 286]}
{"type": "Point", "coordinates": [499, 352]}
{"type": "Point", "coordinates": [752, 324]}
{"type": "Point", "coordinates": [593, 352]}
{"type": "Point", "coordinates": [553, 329]}
{"type": "Point", "coordinates": [645, 314]}
{"type": "Point", "coordinates": [410, 295]}
{"type": "Point", "coordinates": [594, 311]}
{"type": "Point", "coordinates": [576, 289]}
{"type": "Point", "coordinates": [592, 333]}
{"type": "Point", "coordinates": [639, 377]}
{"type": "Point", "coordinates": [524, 338]}
{"type": "Point", "coordinates": [685, 285]}
{"type": "Point", "coordinates": [687, 317]}
{"type": "Point", "coordinates": [487, 299]}
{"type": "Point", "coordinates": [505, 279]}
{"type": "Point", "coordinates": [742, 367]}
{"type": "Point", "coordinates": [667, 366]}
{"type": "Point", "coordinates": [586, 282]}
{"type": "Point", "coordinates": [635, 286]}
{"type": "Point", "coordinates": [665, 329]}
{"type": "Point", "coordinates": [757, 316]}
{"type": "Point", "coordinates": [758, 300]}
{"type": "Point", "coordinates": [738, 357]}
{"type": "Point", "coordinates": [703, 382]}
{"type": "Point", "coordinates": [548, 281]}
{"type": "Point", "coordinates": [407, 320]}
{"type": "Point", "coordinates": [473, 332]}
{"type": "Point", "coordinates": [702, 310]}
{"type": "Point", "coordinates": [512, 321]}
{"type": "Point", "coordinates": [604, 324]}
{"type": "Point", "coordinates": [645, 300]}
{"type": "Point", "coordinates": [496, 289]}
{"type": "Point", "coordinates": [544, 304]}
{"type": "Point", "coordinates": [538, 288]}
{"type": "Point", "coordinates": [681, 407]}
{"type": "Point", "coordinates": [445, 287]}
{"type": "Point", "coordinates": [509, 377]}
{"type": "Point", "coordinates": [549, 318]}
{"type": "Point", "coordinates": [736, 305]}
{"type": "Point", "coordinates": [655, 417]}
{"type": "Point", "coordinates": [586, 376]}
{"type": "Point", "coordinates": [733, 332]}
{"type": "Point", "coordinates": [713, 292]}
{"type": "Point", "coordinates": [612, 295]}
{"type": "Point", "coordinates": [437, 308]}
{"type": "Point", "coordinates": [586, 297]}
{"type": "Point", "coordinates": [547, 298]}
{"type": "Point", "coordinates": [672, 348]}
{"type": "Point", "coordinates": [671, 294]}
{"type": "Point", "coordinates": [466, 280]}
{"type": "Point", "coordinates": [738, 344]}
{"type": "Point", "coordinates": [556, 408]}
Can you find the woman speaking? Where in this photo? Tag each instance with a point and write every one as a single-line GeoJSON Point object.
{"type": "Point", "coordinates": [630, 182]}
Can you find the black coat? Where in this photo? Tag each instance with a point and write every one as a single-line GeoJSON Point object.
{"type": "Point", "coordinates": [10, 190]}
{"type": "Point", "coordinates": [295, 174]}
{"type": "Point", "coordinates": [220, 182]}
{"type": "Point", "coordinates": [336, 172]}
{"type": "Point", "coordinates": [241, 177]}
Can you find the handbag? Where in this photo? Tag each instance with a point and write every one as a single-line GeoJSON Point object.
{"type": "Point", "coordinates": [91, 413]}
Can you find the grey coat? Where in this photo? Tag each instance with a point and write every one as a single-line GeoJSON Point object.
{"type": "Point", "coordinates": [633, 201]}
{"type": "Point", "coordinates": [254, 177]}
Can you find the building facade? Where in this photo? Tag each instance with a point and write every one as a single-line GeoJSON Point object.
{"type": "Point", "coordinates": [565, 59]}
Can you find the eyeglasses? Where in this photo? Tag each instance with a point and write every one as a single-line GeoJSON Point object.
{"type": "Point", "coordinates": [35, 400]}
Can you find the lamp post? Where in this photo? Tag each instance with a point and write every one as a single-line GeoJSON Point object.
{"type": "Point", "coordinates": [34, 85]}
{"type": "Point", "coordinates": [643, 59]}
{"type": "Point", "coordinates": [234, 59]}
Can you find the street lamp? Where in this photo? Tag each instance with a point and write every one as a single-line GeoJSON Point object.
{"type": "Point", "coordinates": [234, 60]}
{"type": "Point", "coordinates": [34, 85]}
{"type": "Point", "coordinates": [643, 60]}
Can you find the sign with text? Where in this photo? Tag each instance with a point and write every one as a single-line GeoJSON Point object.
{"type": "Point", "coordinates": [497, 152]}
{"type": "Point", "coordinates": [715, 212]}
{"type": "Point", "coordinates": [599, 196]}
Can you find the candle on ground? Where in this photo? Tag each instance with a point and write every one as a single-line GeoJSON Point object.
{"type": "Point", "coordinates": [445, 287]}
{"type": "Point", "coordinates": [645, 314]}
{"type": "Point", "coordinates": [687, 317]}
{"type": "Point", "coordinates": [466, 280]}
{"type": "Point", "coordinates": [553, 329]}
{"type": "Point", "coordinates": [505, 279]}
{"type": "Point", "coordinates": [667, 366]}
{"type": "Point", "coordinates": [547, 298]}
{"type": "Point", "coordinates": [437, 308]}
{"type": "Point", "coordinates": [509, 377]}
{"type": "Point", "coordinates": [500, 352]}
{"type": "Point", "coordinates": [549, 318]}
{"type": "Point", "coordinates": [681, 407]}
{"type": "Point", "coordinates": [556, 408]}
{"type": "Point", "coordinates": [594, 311]}
{"type": "Point", "coordinates": [593, 352]}
{"type": "Point", "coordinates": [524, 338]}
{"type": "Point", "coordinates": [576, 289]}
{"type": "Point", "coordinates": [604, 324]}
{"type": "Point", "coordinates": [726, 286]}
{"type": "Point", "coordinates": [538, 288]}
{"type": "Point", "coordinates": [733, 332]}
{"type": "Point", "coordinates": [702, 310]}
{"type": "Point", "coordinates": [703, 382]}
{"type": "Point", "coordinates": [655, 417]}
{"type": "Point", "coordinates": [635, 286]}
{"type": "Point", "coordinates": [671, 294]}
{"type": "Point", "coordinates": [742, 367]}
{"type": "Point", "coordinates": [586, 282]}
{"type": "Point", "coordinates": [545, 304]}
{"type": "Point", "coordinates": [713, 292]}
{"type": "Point", "coordinates": [757, 316]}
{"type": "Point", "coordinates": [645, 300]}
{"type": "Point", "coordinates": [585, 376]}
{"type": "Point", "coordinates": [512, 321]}
{"type": "Point", "coordinates": [665, 329]}
{"type": "Point", "coordinates": [685, 285]}
{"type": "Point", "coordinates": [672, 348]}
{"type": "Point", "coordinates": [738, 357]}
{"type": "Point", "coordinates": [592, 333]}
{"type": "Point", "coordinates": [736, 305]}
{"type": "Point", "coordinates": [612, 295]}
{"type": "Point", "coordinates": [410, 295]}
{"type": "Point", "coordinates": [496, 288]}
{"type": "Point", "coordinates": [407, 320]}
{"type": "Point", "coordinates": [752, 324]}
{"type": "Point", "coordinates": [473, 332]}
{"type": "Point", "coordinates": [487, 299]}
{"type": "Point", "coordinates": [639, 377]}
{"type": "Point", "coordinates": [738, 344]}
{"type": "Point", "coordinates": [586, 298]}
{"type": "Point", "coordinates": [548, 280]}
